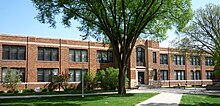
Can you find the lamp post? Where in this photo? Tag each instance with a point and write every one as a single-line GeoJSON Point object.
{"type": "Point", "coordinates": [194, 76]}
{"type": "Point", "coordinates": [82, 76]}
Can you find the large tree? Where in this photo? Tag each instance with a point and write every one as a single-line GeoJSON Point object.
{"type": "Point", "coordinates": [203, 32]}
{"type": "Point", "coordinates": [120, 22]}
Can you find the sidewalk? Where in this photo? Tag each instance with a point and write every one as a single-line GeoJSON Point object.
{"type": "Point", "coordinates": [163, 99]}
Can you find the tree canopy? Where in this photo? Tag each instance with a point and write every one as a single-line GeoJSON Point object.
{"type": "Point", "coordinates": [119, 21]}
{"type": "Point", "coordinates": [203, 32]}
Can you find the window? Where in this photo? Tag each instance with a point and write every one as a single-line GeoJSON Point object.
{"type": "Point", "coordinates": [48, 54]}
{"type": "Point", "coordinates": [194, 60]}
{"type": "Point", "coordinates": [209, 61]}
{"type": "Point", "coordinates": [20, 71]}
{"type": "Point", "coordinates": [209, 75]}
{"type": "Point", "coordinates": [163, 59]}
{"type": "Point", "coordinates": [196, 75]}
{"type": "Point", "coordinates": [163, 74]}
{"type": "Point", "coordinates": [154, 57]}
{"type": "Point", "coordinates": [13, 52]}
{"type": "Point", "coordinates": [140, 57]}
{"type": "Point", "coordinates": [104, 56]}
{"type": "Point", "coordinates": [179, 75]}
{"type": "Point", "coordinates": [179, 60]}
{"type": "Point", "coordinates": [46, 74]}
{"type": "Point", "coordinates": [75, 75]}
{"type": "Point", "coordinates": [78, 55]}
{"type": "Point", "coordinates": [155, 74]}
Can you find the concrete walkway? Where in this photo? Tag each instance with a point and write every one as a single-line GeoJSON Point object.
{"type": "Point", "coordinates": [163, 99]}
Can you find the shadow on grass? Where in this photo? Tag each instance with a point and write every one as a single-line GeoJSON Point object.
{"type": "Point", "coordinates": [57, 101]}
{"type": "Point", "coordinates": [201, 104]}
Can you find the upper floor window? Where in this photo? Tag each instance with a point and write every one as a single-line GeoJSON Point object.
{"type": "Point", "coordinates": [140, 57]}
{"type": "Point", "coordinates": [13, 52]}
{"type": "Point", "coordinates": [179, 74]}
{"type": "Point", "coordinates": [196, 75]}
{"type": "Point", "coordinates": [48, 54]}
{"type": "Point", "coordinates": [179, 60]}
{"type": "Point", "coordinates": [13, 71]}
{"type": "Point", "coordinates": [104, 56]}
{"type": "Point", "coordinates": [163, 74]}
{"type": "Point", "coordinates": [163, 59]}
{"type": "Point", "coordinates": [194, 60]}
{"type": "Point", "coordinates": [208, 61]}
{"type": "Point", "coordinates": [46, 74]}
{"type": "Point", "coordinates": [154, 57]}
{"type": "Point", "coordinates": [209, 75]}
{"type": "Point", "coordinates": [78, 55]}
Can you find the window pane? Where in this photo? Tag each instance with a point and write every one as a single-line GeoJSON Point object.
{"type": "Point", "coordinates": [104, 56]}
{"type": "Point", "coordinates": [84, 56]}
{"type": "Point", "coordinates": [21, 53]}
{"type": "Point", "coordinates": [4, 70]}
{"type": "Point", "coordinates": [47, 54]}
{"type": "Point", "coordinates": [40, 75]}
{"type": "Point", "coordinates": [47, 75]}
{"type": "Point", "coordinates": [78, 75]}
{"type": "Point", "coordinates": [71, 72]}
{"type": "Point", "coordinates": [109, 56]}
{"type": "Point", "coordinates": [71, 55]}
{"type": "Point", "coordinates": [5, 54]}
{"type": "Point", "coordinates": [77, 56]}
{"type": "Point", "coordinates": [40, 54]}
{"type": "Point", "coordinates": [13, 53]}
{"type": "Point", "coordinates": [55, 55]}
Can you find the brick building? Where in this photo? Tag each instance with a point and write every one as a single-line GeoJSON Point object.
{"type": "Point", "coordinates": [36, 59]}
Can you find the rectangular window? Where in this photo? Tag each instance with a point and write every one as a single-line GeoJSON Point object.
{"type": "Point", "coordinates": [179, 60]}
{"type": "Point", "coordinates": [163, 74]}
{"type": "Point", "coordinates": [209, 61]}
{"type": "Point", "coordinates": [75, 75]}
{"type": "Point", "coordinates": [13, 52]}
{"type": "Point", "coordinates": [155, 74]}
{"type": "Point", "coordinates": [209, 75]}
{"type": "Point", "coordinates": [104, 56]}
{"type": "Point", "coordinates": [154, 57]}
{"type": "Point", "coordinates": [46, 74]}
{"type": "Point", "coordinates": [20, 71]}
{"type": "Point", "coordinates": [179, 75]}
{"type": "Point", "coordinates": [78, 55]}
{"type": "Point", "coordinates": [48, 54]}
{"type": "Point", "coordinates": [196, 75]}
{"type": "Point", "coordinates": [163, 59]}
{"type": "Point", "coordinates": [194, 60]}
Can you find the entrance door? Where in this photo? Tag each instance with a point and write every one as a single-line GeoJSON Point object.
{"type": "Point", "coordinates": [141, 77]}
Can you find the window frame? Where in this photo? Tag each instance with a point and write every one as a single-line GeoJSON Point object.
{"type": "Point", "coordinates": [74, 51]}
{"type": "Point", "coordinates": [47, 54]}
{"type": "Point", "coordinates": [109, 56]}
{"type": "Point", "coordinates": [140, 60]}
{"type": "Point", "coordinates": [163, 58]}
{"type": "Point", "coordinates": [179, 60]}
{"type": "Point", "coordinates": [18, 50]}
{"type": "Point", "coordinates": [20, 70]}
{"type": "Point", "coordinates": [49, 77]}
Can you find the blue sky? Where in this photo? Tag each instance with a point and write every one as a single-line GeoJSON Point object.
{"type": "Point", "coordinates": [17, 17]}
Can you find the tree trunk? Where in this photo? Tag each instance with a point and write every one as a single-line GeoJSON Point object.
{"type": "Point", "coordinates": [121, 79]}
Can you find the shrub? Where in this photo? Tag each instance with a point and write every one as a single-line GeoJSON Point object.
{"type": "Point", "coordinates": [2, 92]}
{"type": "Point", "coordinates": [12, 79]}
{"type": "Point", "coordinates": [16, 91]}
{"type": "Point", "coordinates": [90, 81]}
{"type": "Point", "coordinates": [44, 90]}
{"type": "Point", "coordinates": [108, 78]}
{"type": "Point", "coordinates": [28, 90]}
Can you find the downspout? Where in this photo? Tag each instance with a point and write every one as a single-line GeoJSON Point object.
{"type": "Point", "coordinates": [27, 66]}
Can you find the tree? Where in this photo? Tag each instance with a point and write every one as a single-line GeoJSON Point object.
{"type": "Point", "coordinates": [203, 33]}
{"type": "Point", "coordinates": [120, 22]}
{"type": "Point", "coordinates": [12, 79]}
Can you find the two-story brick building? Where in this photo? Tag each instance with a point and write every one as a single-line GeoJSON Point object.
{"type": "Point", "coordinates": [36, 59]}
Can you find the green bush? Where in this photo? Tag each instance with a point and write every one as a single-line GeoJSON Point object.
{"type": "Point", "coordinates": [28, 90]}
{"type": "Point", "coordinates": [90, 81]}
{"type": "Point", "coordinates": [16, 91]}
{"type": "Point", "coordinates": [2, 92]}
{"type": "Point", "coordinates": [108, 78]}
{"type": "Point", "coordinates": [44, 90]}
{"type": "Point", "coordinates": [12, 91]}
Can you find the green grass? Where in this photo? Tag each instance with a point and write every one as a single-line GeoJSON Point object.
{"type": "Point", "coordinates": [98, 100]}
{"type": "Point", "coordinates": [200, 100]}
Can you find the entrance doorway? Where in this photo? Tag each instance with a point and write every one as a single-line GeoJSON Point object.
{"type": "Point", "coordinates": [141, 77]}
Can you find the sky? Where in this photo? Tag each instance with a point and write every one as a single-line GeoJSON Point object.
{"type": "Point", "coordinates": [17, 18]}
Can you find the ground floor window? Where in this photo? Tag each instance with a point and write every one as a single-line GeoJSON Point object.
{"type": "Point", "coordinates": [20, 71]}
{"type": "Point", "coordinates": [46, 74]}
{"type": "Point", "coordinates": [75, 75]}
{"type": "Point", "coordinates": [155, 74]}
{"type": "Point", "coordinates": [209, 75]}
{"type": "Point", "coordinates": [196, 75]}
{"type": "Point", "coordinates": [179, 74]}
{"type": "Point", "coordinates": [163, 74]}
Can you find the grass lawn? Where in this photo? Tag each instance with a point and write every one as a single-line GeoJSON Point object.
{"type": "Point", "coordinates": [200, 100]}
{"type": "Point", "coordinates": [98, 100]}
